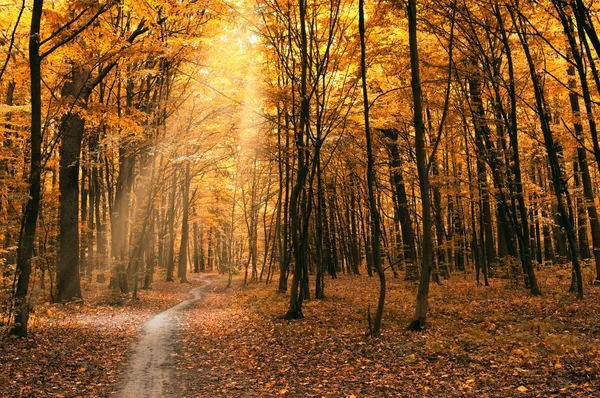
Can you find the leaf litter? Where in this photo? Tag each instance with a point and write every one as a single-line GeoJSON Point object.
{"type": "Point", "coordinates": [480, 342]}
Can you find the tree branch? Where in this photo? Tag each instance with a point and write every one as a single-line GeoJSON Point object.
{"type": "Point", "coordinates": [77, 31]}
{"type": "Point", "coordinates": [12, 40]}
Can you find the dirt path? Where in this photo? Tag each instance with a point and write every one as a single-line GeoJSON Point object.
{"type": "Point", "coordinates": [148, 367]}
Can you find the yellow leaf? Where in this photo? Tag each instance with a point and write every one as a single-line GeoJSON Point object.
{"type": "Point", "coordinates": [518, 352]}
{"type": "Point", "coordinates": [283, 391]}
{"type": "Point", "coordinates": [522, 388]}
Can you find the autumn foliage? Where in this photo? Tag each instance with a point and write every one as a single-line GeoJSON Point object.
{"type": "Point", "coordinates": [393, 198]}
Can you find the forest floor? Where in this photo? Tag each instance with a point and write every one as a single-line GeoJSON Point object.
{"type": "Point", "coordinates": [495, 341]}
{"type": "Point", "coordinates": [81, 349]}
{"type": "Point", "coordinates": [150, 363]}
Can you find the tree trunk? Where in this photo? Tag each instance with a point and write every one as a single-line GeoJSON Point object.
{"type": "Point", "coordinates": [149, 254]}
{"type": "Point", "coordinates": [185, 230]}
{"type": "Point", "coordinates": [481, 132]}
{"type": "Point", "coordinates": [298, 243]}
{"type": "Point", "coordinates": [408, 239]}
{"type": "Point", "coordinates": [588, 191]}
{"type": "Point", "coordinates": [196, 248]}
{"type": "Point", "coordinates": [30, 216]}
{"type": "Point", "coordinates": [523, 235]}
{"type": "Point", "coordinates": [71, 132]}
{"type": "Point", "coordinates": [171, 227]}
{"type": "Point", "coordinates": [557, 178]}
{"type": "Point", "coordinates": [420, 316]}
{"type": "Point", "coordinates": [373, 210]}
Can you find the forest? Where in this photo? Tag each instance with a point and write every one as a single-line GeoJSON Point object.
{"type": "Point", "coordinates": [341, 198]}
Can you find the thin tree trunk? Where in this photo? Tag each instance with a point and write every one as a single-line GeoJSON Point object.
{"type": "Point", "coordinates": [185, 229]}
{"type": "Point", "coordinates": [420, 316]}
{"type": "Point", "coordinates": [30, 216]}
{"type": "Point", "coordinates": [299, 245]}
{"type": "Point", "coordinates": [406, 224]}
{"type": "Point", "coordinates": [196, 248]}
{"type": "Point", "coordinates": [171, 228]}
{"type": "Point", "coordinates": [373, 210]}
{"type": "Point", "coordinates": [524, 236]}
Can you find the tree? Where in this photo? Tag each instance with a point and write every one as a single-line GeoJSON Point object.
{"type": "Point", "coordinates": [375, 329]}
{"type": "Point", "coordinates": [420, 316]}
{"type": "Point", "coordinates": [77, 91]}
{"type": "Point", "coordinates": [558, 182]}
{"type": "Point", "coordinates": [30, 214]}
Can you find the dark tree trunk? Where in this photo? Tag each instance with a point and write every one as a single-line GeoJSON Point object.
{"type": "Point", "coordinates": [408, 239]}
{"type": "Point", "coordinates": [185, 230]}
{"type": "Point", "coordinates": [149, 254]}
{"type": "Point", "coordinates": [353, 240]}
{"type": "Point", "coordinates": [333, 265]}
{"type": "Point", "coordinates": [582, 232]}
{"type": "Point", "coordinates": [201, 257]}
{"type": "Point", "coordinates": [196, 248]}
{"type": "Point", "coordinates": [422, 306]}
{"type": "Point", "coordinates": [71, 134]}
{"type": "Point", "coordinates": [439, 224]}
{"type": "Point", "coordinates": [285, 254]}
{"type": "Point", "coordinates": [30, 216]}
{"type": "Point", "coordinates": [89, 235]}
{"type": "Point", "coordinates": [320, 215]}
{"type": "Point", "coordinates": [171, 228]}
{"type": "Point", "coordinates": [298, 242]}
{"type": "Point", "coordinates": [375, 329]}
{"type": "Point", "coordinates": [481, 134]}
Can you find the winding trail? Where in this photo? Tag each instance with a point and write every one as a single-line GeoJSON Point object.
{"type": "Point", "coordinates": [148, 368]}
